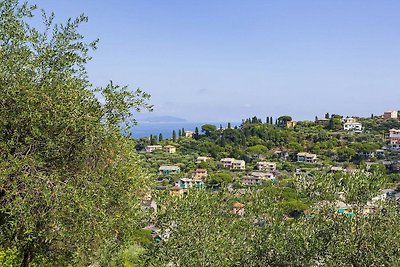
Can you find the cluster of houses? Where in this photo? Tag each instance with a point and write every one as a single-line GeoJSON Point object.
{"type": "Point", "coordinates": [168, 148]}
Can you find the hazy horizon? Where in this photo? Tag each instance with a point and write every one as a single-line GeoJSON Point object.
{"type": "Point", "coordinates": [228, 60]}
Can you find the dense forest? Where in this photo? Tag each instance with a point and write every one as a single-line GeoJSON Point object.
{"type": "Point", "coordinates": [77, 190]}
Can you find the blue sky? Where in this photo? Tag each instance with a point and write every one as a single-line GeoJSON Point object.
{"type": "Point", "coordinates": [224, 60]}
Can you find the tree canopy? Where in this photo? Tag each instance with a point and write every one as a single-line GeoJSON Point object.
{"type": "Point", "coordinates": [69, 181]}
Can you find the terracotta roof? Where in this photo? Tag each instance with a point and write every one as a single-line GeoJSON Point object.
{"type": "Point", "coordinates": [238, 205]}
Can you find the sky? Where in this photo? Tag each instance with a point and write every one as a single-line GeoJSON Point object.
{"type": "Point", "coordinates": [224, 60]}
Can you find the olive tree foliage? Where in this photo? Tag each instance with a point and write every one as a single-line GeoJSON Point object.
{"type": "Point", "coordinates": [204, 231]}
{"type": "Point", "coordinates": [69, 181]}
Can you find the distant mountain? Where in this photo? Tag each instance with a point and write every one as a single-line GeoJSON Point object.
{"type": "Point", "coordinates": [158, 119]}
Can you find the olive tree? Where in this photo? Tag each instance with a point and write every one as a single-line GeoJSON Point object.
{"type": "Point", "coordinates": [69, 180]}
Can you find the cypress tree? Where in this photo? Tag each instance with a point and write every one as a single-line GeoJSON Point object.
{"type": "Point", "coordinates": [222, 141]}
{"type": "Point", "coordinates": [160, 137]}
{"type": "Point", "coordinates": [174, 136]}
{"type": "Point", "coordinates": [151, 140]}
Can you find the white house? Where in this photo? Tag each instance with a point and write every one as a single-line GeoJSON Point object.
{"type": "Point", "coordinates": [266, 166]}
{"type": "Point", "coordinates": [227, 162]}
{"type": "Point", "coordinates": [238, 164]}
{"type": "Point", "coordinates": [306, 157]}
{"type": "Point", "coordinates": [352, 126]}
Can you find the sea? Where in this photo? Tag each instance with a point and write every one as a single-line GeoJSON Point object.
{"type": "Point", "coordinates": [145, 129]}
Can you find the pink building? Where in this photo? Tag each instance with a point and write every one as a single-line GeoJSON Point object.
{"type": "Point", "coordinates": [390, 114]}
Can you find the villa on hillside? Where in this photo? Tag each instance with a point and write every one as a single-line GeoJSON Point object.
{"type": "Point", "coordinates": [349, 120]}
{"type": "Point", "coordinates": [264, 175]}
{"type": "Point", "coordinates": [257, 178]}
{"type": "Point", "coordinates": [238, 165]}
{"type": "Point", "coordinates": [186, 183]}
{"type": "Point", "coordinates": [306, 157]}
{"type": "Point", "coordinates": [169, 149]}
{"type": "Point", "coordinates": [227, 162]}
{"type": "Point", "coordinates": [188, 134]}
{"type": "Point", "coordinates": [234, 164]}
{"type": "Point", "coordinates": [166, 170]}
{"type": "Point", "coordinates": [394, 139]}
{"type": "Point", "coordinates": [266, 166]}
{"type": "Point", "coordinates": [201, 159]}
{"type": "Point", "coordinates": [252, 180]}
{"type": "Point", "coordinates": [390, 114]}
{"type": "Point", "coordinates": [352, 126]}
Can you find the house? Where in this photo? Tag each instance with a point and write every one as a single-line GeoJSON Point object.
{"type": "Point", "coordinates": [234, 164]}
{"type": "Point", "coordinates": [152, 148]}
{"type": "Point", "coordinates": [349, 120]}
{"type": "Point", "coordinates": [238, 208]}
{"type": "Point", "coordinates": [201, 159]}
{"type": "Point", "coordinates": [186, 183]}
{"type": "Point", "coordinates": [257, 178]}
{"type": "Point", "coordinates": [166, 170]}
{"type": "Point", "coordinates": [238, 164]}
{"type": "Point", "coordinates": [394, 139]}
{"type": "Point", "coordinates": [200, 174]}
{"type": "Point", "coordinates": [176, 191]}
{"type": "Point", "coordinates": [188, 134]}
{"type": "Point", "coordinates": [306, 157]}
{"type": "Point", "coordinates": [281, 154]}
{"type": "Point", "coordinates": [169, 149]}
{"type": "Point", "coordinates": [266, 166]}
{"type": "Point", "coordinates": [290, 124]}
{"type": "Point", "coordinates": [390, 114]}
{"type": "Point", "coordinates": [352, 126]}
{"type": "Point", "coordinates": [252, 180]}
{"type": "Point", "coordinates": [227, 162]}
{"type": "Point", "coordinates": [264, 175]}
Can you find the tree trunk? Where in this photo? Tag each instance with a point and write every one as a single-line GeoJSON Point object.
{"type": "Point", "coordinates": [27, 258]}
